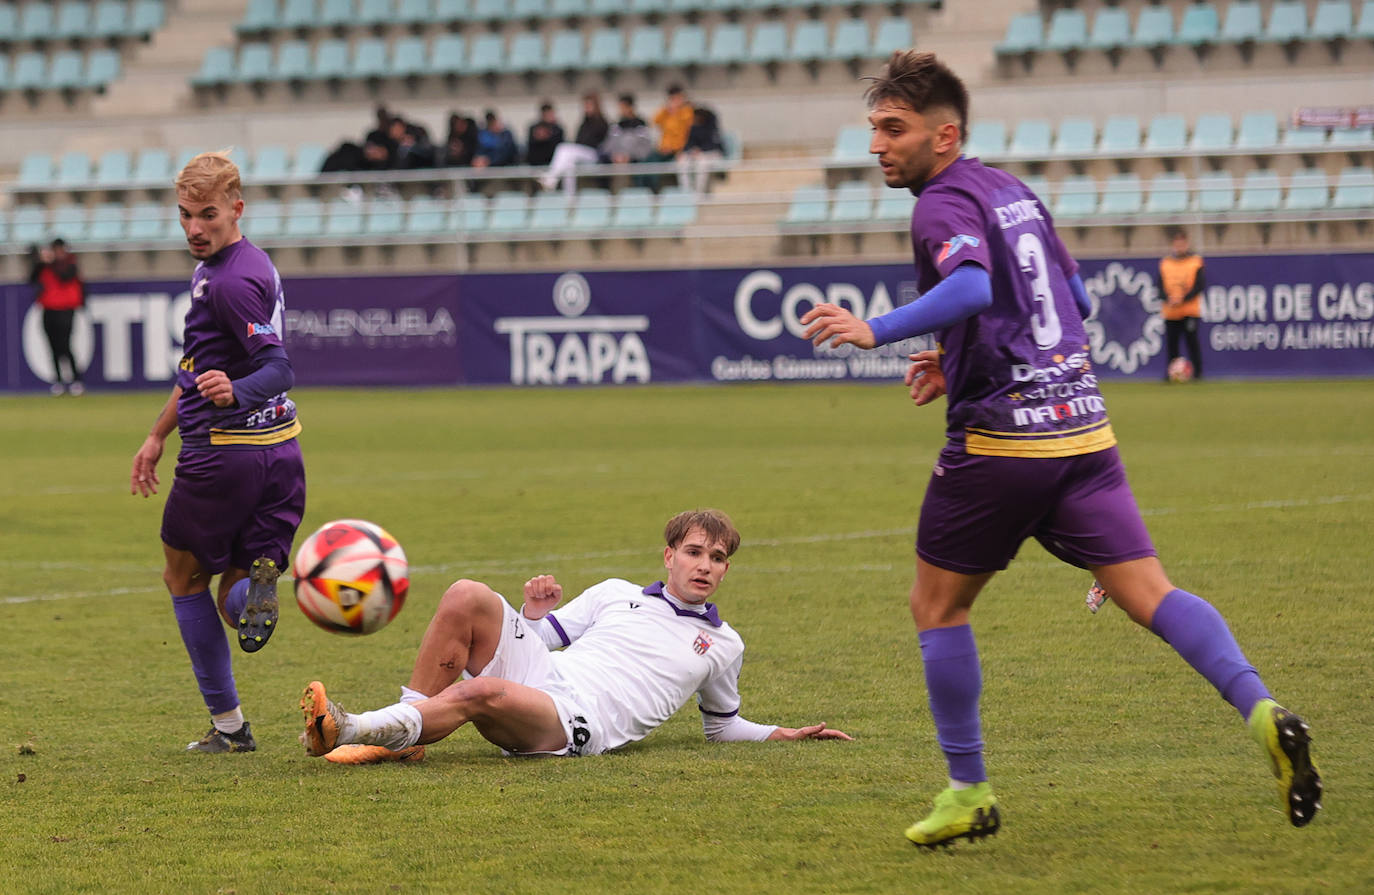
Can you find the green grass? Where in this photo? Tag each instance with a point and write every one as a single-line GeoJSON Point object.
{"type": "Point", "coordinates": [1119, 770]}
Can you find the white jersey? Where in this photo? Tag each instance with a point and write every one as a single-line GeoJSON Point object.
{"type": "Point", "coordinates": [634, 658]}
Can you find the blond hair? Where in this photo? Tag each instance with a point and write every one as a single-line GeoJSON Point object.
{"type": "Point", "coordinates": [715, 524]}
{"type": "Point", "coordinates": [210, 176]}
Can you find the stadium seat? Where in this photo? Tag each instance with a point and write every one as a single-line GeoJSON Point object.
{"type": "Point", "coordinates": [1243, 22]}
{"type": "Point", "coordinates": [293, 62]}
{"type": "Point", "coordinates": [1333, 20]}
{"type": "Point", "coordinates": [569, 9]}
{"type": "Point", "coordinates": [73, 169]}
{"type": "Point", "coordinates": [115, 169]}
{"type": "Point", "coordinates": [264, 220]}
{"type": "Point", "coordinates": [1355, 137]}
{"type": "Point", "coordinates": [269, 165]}
{"type": "Point", "coordinates": [298, 15]}
{"type": "Point", "coordinates": [1167, 134]}
{"type": "Point", "coordinates": [374, 13]}
{"type": "Point", "coordinates": [810, 205]}
{"type": "Point", "coordinates": [145, 18]}
{"type": "Point", "coordinates": [1076, 138]}
{"type": "Point", "coordinates": [29, 224]}
{"type": "Point", "coordinates": [891, 35]}
{"type": "Point", "coordinates": [648, 47]}
{"type": "Point", "coordinates": [154, 168]}
{"type": "Point", "coordinates": [74, 21]}
{"type": "Point", "coordinates": [385, 217]}
{"type": "Point", "coordinates": [65, 70]}
{"type": "Point", "coordinates": [370, 59]}
{"type": "Point", "coordinates": [1038, 184]}
{"type": "Point", "coordinates": [9, 21]}
{"type": "Point", "coordinates": [550, 213]}
{"type": "Point", "coordinates": [331, 61]}
{"type": "Point", "coordinates": [111, 18]}
{"type": "Point", "coordinates": [1120, 135]}
{"type": "Point", "coordinates": [894, 205]}
{"type": "Point", "coordinates": [102, 69]}
{"type": "Point", "coordinates": [216, 68]}
{"type": "Point", "coordinates": [255, 64]}
{"type": "Point", "coordinates": [527, 10]}
{"type": "Point", "coordinates": [1258, 131]}
{"type": "Point", "coordinates": [30, 71]}
{"type": "Point", "coordinates": [448, 55]}
{"type": "Point", "coordinates": [605, 9]}
{"type": "Point", "coordinates": [259, 17]}
{"type": "Point", "coordinates": [1111, 29]}
{"type": "Point", "coordinates": [1031, 139]}
{"type": "Point", "coordinates": [1364, 29]}
{"type": "Point", "coordinates": [487, 55]}
{"type": "Point", "coordinates": [452, 12]}
{"type": "Point", "coordinates": [1300, 138]}
{"type": "Point", "coordinates": [850, 40]}
{"type": "Point", "coordinates": [344, 219]}
{"type": "Point", "coordinates": [36, 171]}
{"type": "Point", "coordinates": [1154, 27]}
{"type": "Point", "coordinates": [649, 7]}
{"type": "Point", "coordinates": [304, 218]}
{"type": "Point", "coordinates": [526, 53]}
{"type": "Point", "coordinates": [1216, 192]}
{"type": "Point", "coordinates": [677, 208]}
{"type": "Point", "coordinates": [634, 209]}
{"type": "Point", "coordinates": [487, 10]}
{"type": "Point", "coordinates": [852, 202]}
{"type": "Point", "coordinates": [414, 13]}
{"type": "Point", "coordinates": [409, 58]}
{"type": "Point", "coordinates": [107, 223]}
{"type": "Point", "coordinates": [1025, 34]}
{"type": "Point", "coordinates": [1168, 194]}
{"type": "Point", "coordinates": [727, 45]}
{"type": "Point", "coordinates": [851, 144]}
{"type": "Point", "coordinates": [986, 139]}
{"type": "Point", "coordinates": [1077, 198]}
{"type": "Point", "coordinates": [1354, 189]}
{"type": "Point", "coordinates": [1121, 195]}
{"type": "Point", "coordinates": [308, 160]}
{"type": "Point", "coordinates": [768, 43]}
{"type": "Point", "coordinates": [1212, 133]}
{"type": "Point", "coordinates": [606, 49]}
{"type": "Point", "coordinates": [428, 216]}
{"type": "Point", "coordinates": [592, 211]}
{"type": "Point", "coordinates": [1308, 190]}
{"type": "Point", "coordinates": [151, 222]}
{"type": "Point", "coordinates": [565, 51]}
{"type": "Point", "coordinates": [1068, 30]}
{"type": "Point", "coordinates": [810, 41]}
{"type": "Point", "coordinates": [70, 222]}
{"type": "Point", "coordinates": [1200, 25]}
{"type": "Point", "coordinates": [37, 23]}
{"type": "Point", "coordinates": [1260, 191]}
{"type": "Point", "coordinates": [1287, 22]}
{"type": "Point", "coordinates": [687, 47]}
{"type": "Point", "coordinates": [510, 212]}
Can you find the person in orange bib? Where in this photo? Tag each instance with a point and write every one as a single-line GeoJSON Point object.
{"type": "Point", "coordinates": [1181, 280]}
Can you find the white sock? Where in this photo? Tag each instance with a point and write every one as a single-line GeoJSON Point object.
{"type": "Point", "coordinates": [409, 696]}
{"type": "Point", "coordinates": [230, 721]}
{"type": "Point", "coordinates": [960, 784]}
{"type": "Point", "coordinates": [395, 727]}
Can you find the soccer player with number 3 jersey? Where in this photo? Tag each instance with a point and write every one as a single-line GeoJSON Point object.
{"type": "Point", "coordinates": [1030, 450]}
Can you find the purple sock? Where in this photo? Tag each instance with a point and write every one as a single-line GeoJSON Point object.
{"type": "Point", "coordinates": [237, 599]}
{"type": "Point", "coordinates": [954, 682]}
{"type": "Point", "coordinates": [208, 646]}
{"type": "Point", "coordinates": [1199, 634]}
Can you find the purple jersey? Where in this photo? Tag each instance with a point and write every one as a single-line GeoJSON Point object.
{"type": "Point", "coordinates": [1018, 375]}
{"type": "Point", "coordinates": [236, 311]}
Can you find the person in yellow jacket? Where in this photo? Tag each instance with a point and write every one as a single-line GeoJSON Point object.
{"type": "Point", "coordinates": [1181, 280]}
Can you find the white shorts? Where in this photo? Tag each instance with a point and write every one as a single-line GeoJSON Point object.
{"type": "Point", "coordinates": [522, 657]}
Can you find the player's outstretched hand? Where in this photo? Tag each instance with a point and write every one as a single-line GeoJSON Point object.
{"type": "Point", "coordinates": [925, 378]}
{"type": "Point", "coordinates": [838, 325]}
{"type": "Point", "coordinates": [813, 732]}
{"type": "Point", "coordinates": [143, 480]}
{"type": "Point", "coordinates": [542, 594]}
{"type": "Point", "coordinates": [216, 387]}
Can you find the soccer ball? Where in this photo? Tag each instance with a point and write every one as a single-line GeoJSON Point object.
{"type": "Point", "coordinates": [351, 577]}
{"type": "Point", "coordinates": [1180, 369]}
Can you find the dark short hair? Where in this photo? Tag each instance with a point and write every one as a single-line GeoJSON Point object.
{"type": "Point", "coordinates": [674, 89]}
{"type": "Point", "coordinates": [627, 98]}
{"type": "Point", "coordinates": [489, 115]}
{"type": "Point", "coordinates": [920, 82]}
{"type": "Point", "coordinates": [59, 243]}
{"type": "Point", "coordinates": [716, 525]}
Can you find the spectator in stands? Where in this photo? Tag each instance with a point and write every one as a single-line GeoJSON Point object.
{"type": "Point", "coordinates": [59, 293]}
{"type": "Point", "coordinates": [694, 162]}
{"type": "Point", "coordinates": [1181, 281]}
{"type": "Point", "coordinates": [673, 121]}
{"type": "Point", "coordinates": [629, 139]}
{"type": "Point", "coordinates": [412, 146]}
{"type": "Point", "coordinates": [374, 153]}
{"type": "Point", "coordinates": [495, 144]}
{"type": "Point", "coordinates": [544, 137]}
{"type": "Point", "coordinates": [461, 145]}
{"type": "Point", "coordinates": [584, 150]}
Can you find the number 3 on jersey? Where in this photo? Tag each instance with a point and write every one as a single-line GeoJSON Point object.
{"type": "Point", "coordinates": [1045, 325]}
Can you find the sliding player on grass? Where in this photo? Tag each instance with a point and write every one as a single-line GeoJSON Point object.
{"type": "Point", "coordinates": [630, 657]}
{"type": "Point", "coordinates": [1030, 449]}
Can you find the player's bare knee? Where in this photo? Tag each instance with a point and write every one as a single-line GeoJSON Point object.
{"type": "Point", "coordinates": [465, 600]}
{"type": "Point", "coordinates": [472, 698]}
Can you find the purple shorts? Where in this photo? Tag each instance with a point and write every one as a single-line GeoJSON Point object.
{"type": "Point", "coordinates": [978, 510]}
{"type": "Point", "coordinates": [227, 508]}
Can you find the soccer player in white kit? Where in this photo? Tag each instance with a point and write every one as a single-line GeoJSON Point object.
{"type": "Point", "coordinates": [603, 671]}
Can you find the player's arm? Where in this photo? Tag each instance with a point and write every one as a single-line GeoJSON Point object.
{"type": "Point", "coordinates": [722, 724]}
{"type": "Point", "coordinates": [1080, 296]}
{"type": "Point", "coordinates": [1199, 283]}
{"type": "Point", "coordinates": [965, 292]}
{"type": "Point", "coordinates": [924, 377]}
{"type": "Point", "coordinates": [542, 593]}
{"type": "Point", "coordinates": [143, 479]}
{"type": "Point", "coordinates": [272, 375]}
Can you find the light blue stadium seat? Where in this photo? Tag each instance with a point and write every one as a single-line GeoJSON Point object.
{"type": "Point", "coordinates": [30, 71]}
{"type": "Point", "coordinates": [1121, 195]}
{"type": "Point", "coordinates": [677, 208]}
{"type": "Point", "coordinates": [810, 205]}
{"type": "Point", "coordinates": [102, 68]}
{"type": "Point", "coordinates": [260, 16]}
{"type": "Point", "coordinates": [1037, 184]}
{"type": "Point", "coordinates": [307, 161]}
{"type": "Point", "coordinates": [550, 213]}
{"type": "Point", "coordinates": [4, 72]}
{"type": "Point", "coordinates": [1167, 134]}
{"type": "Point", "coordinates": [1120, 135]}
{"type": "Point", "coordinates": [728, 45]}
{"type": "Point", "coordinates": [567, 9]}
{"type": "Point", "coordinates": [264, 220]}
{"type": "Point", "coordinates": [373, 13]}
{"type": "Point", "coordinates": [66, 70]}
{"type": "Point", "coordinates": [154, 168]}
{"type": "Point", "coordinates": [1154, 27]}
{"type": "Point", "coordinates": [1111, 29]}
{"type": "Point", "coordinates": [1308, 190]}
{"type": "Point", "coordinates": [1351, 136]}
{"type": "Point", "coordinates": [1216, 192]}
{"type": "Point", "coordinates": [1333, 20]}
{"type": "Point", "coordinates": [1068, 30]}
{"type": "Point", "coordinates": [1030, 139]}
{"type": "Point", "coordinates": [37, 21]}
{"type": "Point", "coordinates": [850, 40]}
{"type": "Point", "coordinates": [634, 209]}
{"type": "Point", "coordinates": [344, 219]}
{"type": "Point", "coordinates": [385, 217]}
{"type": "Point", "coordinates": [74, 21]}
{"type": "Point", "coordinates": [293, 62]}
{"type": "Point", "coordinates": [606, 49]}
{"type": "Point", "coordinates": [510, 212]}
{"type": "Point", "coordinates": [298, 14]}
{"type": "Point", "coordinates": [1260, 191]}
{"type": "Point", "coordinates": [331, 62]}
{"type": "Point", "coordinates": [336, 13]}
{"type": "Point", "coordinates": [1258, 131]}
{"type": "Point", "coordinates": [1354, 189]}
{"type": "Point", "coordinates": [146, 17]}
{"type": "Point", "coordinates": [115, 168]}
{"type": "Point", "coordinates": [269, 165]}
{"type": "Point", "coordinates": [1077, 198]}
{"type": "Point", "coordinates": [448, 54]}
{"type": "Point", "coordinates": [565, 50]}
{"type": "Point", "coordinates": [486, 55]}
{"type": "Point", "coordinates": [987, 138]}
{"type": "Point", "coordinates": [1287, 22]}
{"type": "Point", "coordinates": [592, 211]}
{"type": "Point", "coordinates": [29, 224]}
{"type": "Point", "coordinates": [408, 58]}
{"type": "Point", "coordinates": [74, 169]}
{"type": "Point", "coordinates": [648, 47]}
{"type": "Point", "coordinates": [255, 64]}
{"type": "Point", "coordinates": [1364, 29]}
{"type": "Point", "coordinates": [894, 205]}
{"type": "Point", "coordinates": [1300, 138]}
{"type": "Point", "coordinates": [216, 68]}
{"type": "Point", "coordinates": [851, 202]}
{"type": "Point", "coordinates": [428, 216]}
{"type": "Point", "coordinates": [107, 223]}
{"type": "Point", "coordinates": [1025, 34]}
{"type": "Point", "coordinates": [36, 170]}
{"type": "Point", "coordinates": [1243, 22]}
{"type": "Point", "coordinates": [1168, 194]}
{"type": "Point", "coordinates": [810, 41]}
{"type": "Point", "coordinates": [451, 12]}
{"type": "Point", "coordinates": [649, 7]}
{"type": "Point", "coordinates": [533, 10]}
{"type": "Point", "coordinates": [1076, 137]}
{"type": "Point", "coordinates": [304, 218]}
{"type": "Point", "coordinates": [526, 53]}
{"type": "Point", "coordinates": [488, 10]}
{"type": "Point", "coordinates": [414, 13]}
{"type": "Point", "coordinates": [151, 222]}
{"type": "Point", "coordinates": [9, 20]}
{"type": "Point", "coordinates": [768, 43]}
{"type": "Point", "coordinates": [605, 8]}
{"type": "Point", "coordinates": [1212, 133]}
{"type": "Point", "coordinates": [111, 18]}
{"type": "Point", "coordinates": [851, 145]}
{"type": "Point", "coordinates": [892, 34]}
{"type": "Point", "coordinates": [1200, 25]}
{"type": "Point", "coordinates": [70, 222]}
{"type": "Point", "coordinates": [687, 46]}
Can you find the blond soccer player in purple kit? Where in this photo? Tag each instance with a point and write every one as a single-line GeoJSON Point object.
{"type": "Point", "coordinates": [239, 490]}
{"type": "Point", "coordinates": [1030, 450]}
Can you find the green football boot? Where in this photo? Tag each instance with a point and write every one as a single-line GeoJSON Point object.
{"type": "Point", "coordinates": [1284, 738]}
{"type": "Point", "coordinates": [959, 813]}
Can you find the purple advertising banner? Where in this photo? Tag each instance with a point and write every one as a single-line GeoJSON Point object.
{"type": "Point", "coordinates": [1263, 316]}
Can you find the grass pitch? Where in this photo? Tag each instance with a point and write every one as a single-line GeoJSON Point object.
{"type": "Point", "coordinates": [1118, 768]}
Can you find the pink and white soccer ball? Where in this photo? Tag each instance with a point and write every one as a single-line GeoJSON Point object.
{"type": "Point", "coordinates": [1180, 369]}
{"type": "Point", "coordinates": [351, 577]}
